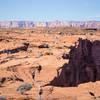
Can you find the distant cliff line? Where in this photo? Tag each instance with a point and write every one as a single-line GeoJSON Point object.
{"type": "Point", "coordinates": [20, 24]}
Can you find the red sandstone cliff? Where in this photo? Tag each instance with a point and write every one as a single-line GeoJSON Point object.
{"type": "Point", "coordinates": [83, 66]}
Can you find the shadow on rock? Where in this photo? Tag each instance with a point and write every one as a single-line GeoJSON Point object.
{"type": "Point", "coordinates": [83, 66]}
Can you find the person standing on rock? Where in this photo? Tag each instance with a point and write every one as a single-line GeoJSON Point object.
{"type": "Point", "coordinates": [33, 75]}
{"type": "Point", "coordinates": [40, 91]}
{"type": "Point", "coordinates": [39, 68]}
{"type": "Point", "coordinates": [7, 52]}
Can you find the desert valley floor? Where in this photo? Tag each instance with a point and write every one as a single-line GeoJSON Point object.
{"type": "Point", "coordinates": [30, 47]}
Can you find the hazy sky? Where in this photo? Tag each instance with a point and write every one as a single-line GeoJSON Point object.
{"type": "Point", "coordinates": [49, 10]}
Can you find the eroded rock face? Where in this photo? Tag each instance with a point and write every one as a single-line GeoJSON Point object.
{"type": "Point", "coordinates": [83, 66]}
{"type": "Point", "coordinates": [16, 50]}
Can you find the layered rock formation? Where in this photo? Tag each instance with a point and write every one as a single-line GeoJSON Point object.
{"type": "Point", "coordinates": [18, 24]}
{"type": "Point", "coordinates": [16, 50]}
{"type": "Point", "coordinates": [83, 66]}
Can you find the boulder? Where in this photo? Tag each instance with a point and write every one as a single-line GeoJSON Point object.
{"type": "Point", "coordinates": [43, 46]}
{"type": "Point", "coordinates": [2, 80]}
{"type": "Point", "coordinates": [65, 56]}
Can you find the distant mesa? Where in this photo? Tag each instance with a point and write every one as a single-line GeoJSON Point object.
{"type": "Point", "coordinates": [19, 24]}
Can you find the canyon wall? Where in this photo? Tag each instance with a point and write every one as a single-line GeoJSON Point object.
{"type": "Point", "coordinates": [19, 24]}
{"type": "Point", "coordinates": [83, 66]}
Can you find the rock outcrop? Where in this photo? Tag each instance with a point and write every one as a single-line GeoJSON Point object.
{"type": "Point", "coordinates": [6, 79]}
{"type": "Point", "coordinates": [83, 66]}
{"type": "Point", "coordinates": [43, 46]}
{"type": "Point", "coordinates": [65, 56]}
{"type": "Point", "coordinates": [2, 80]}
{"type": "Point", "coordinates": [16, 50]}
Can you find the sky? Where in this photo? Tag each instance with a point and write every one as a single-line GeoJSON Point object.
{"type": "Point", "coordinates": [49, 10]}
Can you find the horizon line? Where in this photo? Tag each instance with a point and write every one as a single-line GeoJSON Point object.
{"type": "Point", "coordinates": [50, 21]}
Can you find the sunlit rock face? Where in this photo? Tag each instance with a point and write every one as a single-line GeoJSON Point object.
{"type": "Point", "coordinates": [83, 66]}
